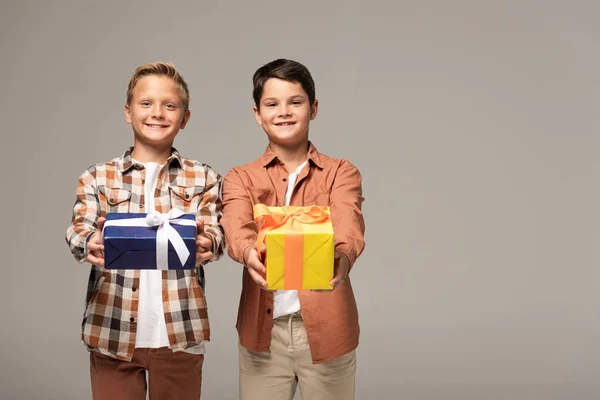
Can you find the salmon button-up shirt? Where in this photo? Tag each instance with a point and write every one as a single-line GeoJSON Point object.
{"type": "Point", "coordinates": [330, 318]}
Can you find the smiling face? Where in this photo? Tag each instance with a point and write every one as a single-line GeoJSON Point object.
{"type": "Point", "coordinates": [156, 112]}
{"type": "Point", "coordinates": [285, 112]}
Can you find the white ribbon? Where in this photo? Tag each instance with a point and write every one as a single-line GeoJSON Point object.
{"type": "Point", "coordinates": [164, 234]}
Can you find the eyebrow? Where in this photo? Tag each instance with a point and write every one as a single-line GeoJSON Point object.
{"type": "Point", "coordinates": [146, 97]}
{"type": "Point", "coordinates": [291, 97]}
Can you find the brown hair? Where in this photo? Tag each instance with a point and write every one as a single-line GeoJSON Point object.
{"type": "Point", "coordinates": [287, 70]}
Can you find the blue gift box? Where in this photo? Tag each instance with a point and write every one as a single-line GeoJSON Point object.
{"type": "Point", "coordinates": [135, 247]}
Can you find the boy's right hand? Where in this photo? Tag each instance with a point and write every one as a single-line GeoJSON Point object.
{"type": "Point", "coordinates": [95, 247]}
{"type": "Point", "coordinates": [256, 269]}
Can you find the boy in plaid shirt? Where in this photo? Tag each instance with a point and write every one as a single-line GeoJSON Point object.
{"type": "Point", "coordinates": [147, 320]}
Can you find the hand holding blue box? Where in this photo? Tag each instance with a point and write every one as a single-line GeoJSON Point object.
{"type": "Point", "coordinates": [150, 241]}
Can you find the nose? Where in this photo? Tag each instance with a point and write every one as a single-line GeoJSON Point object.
{"type": "Point", "coordinates": [284, 110]}
{"type": "Point", "coordinates": [157, 111]}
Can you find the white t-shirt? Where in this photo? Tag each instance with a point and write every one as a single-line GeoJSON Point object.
{"type": "Point", "coordinates": [286, 302]}
{"type": "Point", "coordinates": [151, 326]}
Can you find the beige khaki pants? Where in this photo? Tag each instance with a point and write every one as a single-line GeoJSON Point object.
{"type": "Point", "coordinates": [275, 375]}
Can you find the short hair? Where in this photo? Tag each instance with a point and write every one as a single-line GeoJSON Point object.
{"type": "Point", "coordinates": [161, 69]}
{"type": "Point", "coordinates": [287, 70]}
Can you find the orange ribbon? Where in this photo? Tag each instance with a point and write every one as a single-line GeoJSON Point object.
{"type": "Point", "coordinates": [292, 218]}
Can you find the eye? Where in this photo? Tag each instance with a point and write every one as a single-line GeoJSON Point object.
{"type": "Point", "coordinates": [271, 104]}
{"type": "Point", "coordinates": [296, 102]}
{"type": "Point", "coordinates": [145, 103]}
{"type": "Point", "coordinates": [170, 106]}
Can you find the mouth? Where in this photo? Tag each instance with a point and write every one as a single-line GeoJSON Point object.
{"type": "Point", "coordinates": [156, 126]}
{"type": "Point", "coordinates": [286, 123]}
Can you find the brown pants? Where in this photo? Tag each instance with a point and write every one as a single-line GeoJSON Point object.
{"type": "Point", "coordinates": [171, 375]}
{"type": "Point", "coordinates": [275, 375]}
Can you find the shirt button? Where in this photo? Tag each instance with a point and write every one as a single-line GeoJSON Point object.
{"type": "Point", "coordinates": [187, 195]}
{"type": "Point", "coordinates": [112, 199]}
{"type": "Point", "coordinates": [131, 319]}
{"type": "Point", "coordinates": [133, 289]}
{"type": "Point", "coordinates": [143, 181]}
{"type": "Point", "coordinates": [141, 206]}
{"type": "Point", "coordinates": [284, 179]}
{"type": "Point", "coordinates": [268, 311]}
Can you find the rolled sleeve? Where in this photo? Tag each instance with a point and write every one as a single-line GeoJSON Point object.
{"type": "Point", "coordinates": [84, 221]}
{"type": "Point", "coordinates": [346, 211]}
{"type": "Point", "coordinates": [211, 212]}
{"type": "Point", "coordinates": [238, 216]}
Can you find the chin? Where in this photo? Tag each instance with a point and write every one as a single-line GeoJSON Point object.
{"type": "Point", "coordinates": [156, 140]}
{"type": "Point", "coordinates": [288, 139]}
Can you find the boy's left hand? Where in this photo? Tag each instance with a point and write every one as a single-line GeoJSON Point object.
{"type": "Point", "coordinates": [341, 267]}
{"type": "Point", "coordinates": [203, 243]}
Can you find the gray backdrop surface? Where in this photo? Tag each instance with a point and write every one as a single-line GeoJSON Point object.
{"type": "Point", "coordinates": [474, 124]}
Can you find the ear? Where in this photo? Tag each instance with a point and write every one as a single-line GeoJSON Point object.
{"type": "Point", "coordinates": [314, 109]}
{"type": "Point", "coordinates": [127, 114]}
{"type": "Point", "coordinates": [257, 115]}
{"type": "Point", "coordinates": [186, 117]}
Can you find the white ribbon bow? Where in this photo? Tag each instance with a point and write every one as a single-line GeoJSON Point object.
{"type": "Point", "coordinates": [164, 234]}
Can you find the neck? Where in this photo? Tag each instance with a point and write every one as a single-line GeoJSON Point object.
{"type": "Point", "coordinates": [290, 157]}
{"type": "Point", "coordinates": [146, 154]}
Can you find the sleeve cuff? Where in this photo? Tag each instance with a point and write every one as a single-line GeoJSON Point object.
{"type": "Point", "coordinates": [86, 240]}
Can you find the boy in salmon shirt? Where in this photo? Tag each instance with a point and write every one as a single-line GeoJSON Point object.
{"type": "Point", "coordinates": [147, 320]}
{"type": "Point", "coordinates": [290, 337]}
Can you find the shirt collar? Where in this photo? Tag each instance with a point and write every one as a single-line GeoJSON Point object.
{"type": "Point", "coordinates": [126, 161]}
{"type": "Point", "coordinates": [313, 155]}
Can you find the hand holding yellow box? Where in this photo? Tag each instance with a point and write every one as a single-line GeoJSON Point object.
{"type": "Point", "coordinates": [300, 246]}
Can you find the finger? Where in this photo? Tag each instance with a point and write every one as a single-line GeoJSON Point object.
{"type": "Point", "coordinates": [200, 225]}
{"type": "Point", "coordinates": [95, 260]}
{"type": "Point", "coordinates": [204, 256]}
{"type": "Point", "coordinates": [203, 242]}
{"type": "Point", "coordinates": [101, 222]}
{"type": "Point", "coordinates": [341, 269]}
{"type": "Point", "coordinates": [256, 277]}
{"type": "Point", "coordinates": [94, 246]}
{"type": "Point", "coordinates": [339, 275]}
{"type": "Point", "coordinates": [337, 280]}
{"type": "Point", "coordinates": [203, 250]}
{"type": "Point", "coordinates": [256, 265]}
{"type": "Point", "coordinates": [254, 262]}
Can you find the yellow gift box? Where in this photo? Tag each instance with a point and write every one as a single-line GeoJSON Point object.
{"type": "Point", "coordinates": [299, 246]}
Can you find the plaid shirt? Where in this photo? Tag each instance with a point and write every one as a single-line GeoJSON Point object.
{"type": "Point", "coordinates": [109, 321]}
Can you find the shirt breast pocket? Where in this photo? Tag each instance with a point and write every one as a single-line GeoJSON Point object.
{"type": "Point", "coordinates": [115, 199]}
{"type": "Point", "coordinates": [186, 198]}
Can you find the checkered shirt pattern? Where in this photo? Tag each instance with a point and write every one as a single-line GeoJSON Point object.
{"type": "Point", "coordinates": [109, 321]}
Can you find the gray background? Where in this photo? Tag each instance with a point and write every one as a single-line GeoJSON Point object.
{"type": "Point", "coordinates": [474, 124]}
